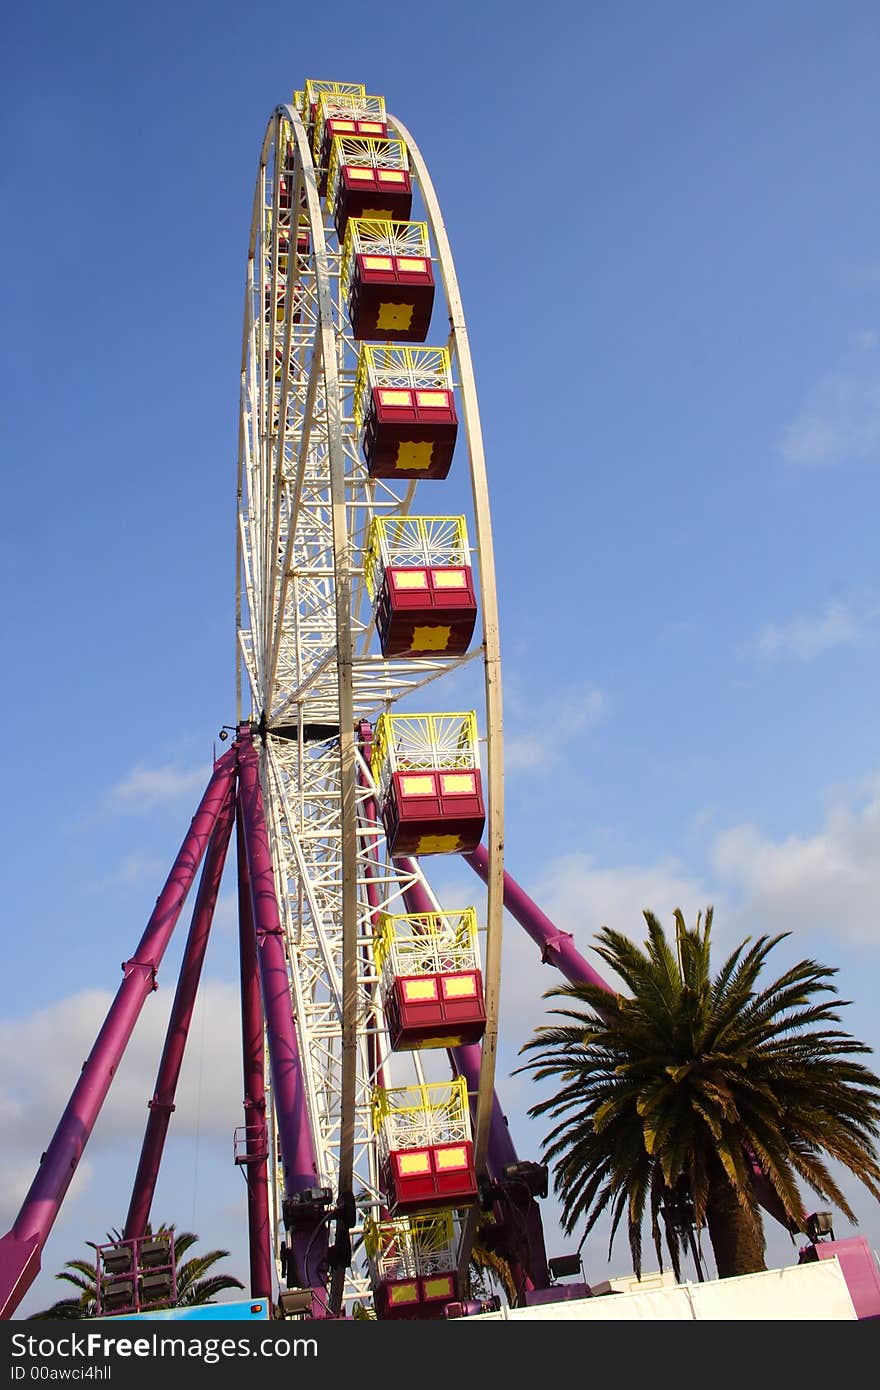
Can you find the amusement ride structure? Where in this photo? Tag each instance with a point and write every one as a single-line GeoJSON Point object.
{"type": "Point", "coordinates": [372, 1139]}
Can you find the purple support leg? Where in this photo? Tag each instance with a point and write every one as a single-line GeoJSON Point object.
{"type": "Point", "coordinates": [21, 1247]}
{"type": "Point", "coordinates": [256, 1135]}
{"type": "Point", "coordinates": [177, 1032]}
{"type": "Point", "coordinates": [309, 1232]}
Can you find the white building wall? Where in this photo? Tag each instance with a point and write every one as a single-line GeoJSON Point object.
{"type": "Point", "coordinates": [803, 1293]}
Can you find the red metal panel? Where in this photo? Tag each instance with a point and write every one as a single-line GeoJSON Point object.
{"type": "Point", "coordinates": [410, 1191]}
{"type": "Point", "coordinates": [456, 804]}
{"type": "Point", "coordinates": [416, 1298]}
{"type": "Point", "coordinates": [442, 825]}
{"type": "Point", "coordinates": [436, 823]}
{"type": "Point", "coordinates": [413, 804]}
{"type": "Point", "coordinates": [440, 1186]}
{"type": "Point", "coordinates": [409, 439]}
{"type": "Point", "coordinates": [365, 192]}
{"type": "Point", "coordinates": [435, 617]}
{"type": "Point", "coordinates": [400, 271]}
{"type": "Point", "coordinates": [391, 305]}
{"type": "Point", "coordinates": [425, 405]}
{"type": "Point", "coordinates": [438, 1022]}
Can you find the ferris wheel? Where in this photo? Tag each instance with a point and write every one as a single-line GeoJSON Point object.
{"type": "Point", "coordinates": [358, 596]}
{"type": "Point", "coordinates": [373, 1144]}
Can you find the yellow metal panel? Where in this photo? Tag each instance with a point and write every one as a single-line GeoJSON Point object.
{"type": "Point", "coordinates": [448, 1096]}
{"type": "Point", "coordinates": [414, 990]}
{"type": "Point", "coordinates": [315, 86]}
{"type": "Point", "coordinates": [417, 786]}
{"type": "Point", "coordinates": [450, 579]}
{"type": "Point", "coordinates": [444, 1159]}
{"type": "Point", "coordinates": [411, 263]}
{"type": "Point", "coordinates": [399, 1294]}
{"type": "Point", "coordinates": [411, 579]}
{"type": "Point", "coordinates": [395, 316]}
{"type": "Point", "coordinates": [439, 1287]}
{"type": "Point", "coordinates": [354, 172]}
{"type": "Point", "coordinates": [453, 782]}
{"type": "Point", "coordinates": [432, 398]}
{"type": "Point", "coordinates": [395, 397]}
{"type": "Point", "coordinates": [438, 844]}
{"type": "Point", "coordinates": [414, 455]}
{"type": "Point", "coordinates": [460, 987]}
{"type": "Point", "coordinates": [377, 212]}
{"type": "Point", "coordinates": [431, 639]}
{"type": "Point", "coordinates": [378, 262]}
{"type": "Point", "coordinates": [409, 1164]}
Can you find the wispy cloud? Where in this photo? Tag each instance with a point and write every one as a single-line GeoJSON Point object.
{"type": "Point", "coordinates": [551, 729]}
{"type": "Point", "coordinates": [580, 895]}
{"type": "Point", "coordinates": [50, 1043]}
{"type": "Point", "coordinates": [147, 787]}
{"type": "Point", "coordinates": [840, 420]}
{"type": "Point", "coordinates": [135, 869]}
{"type": "Point", "coordinates": [827, 882]}
{"type": "Point", "coordinates": [805, 638]}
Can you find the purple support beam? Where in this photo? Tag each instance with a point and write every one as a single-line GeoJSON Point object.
{"type": "Point", "coordinates": [162, 1103]}
{"type": "Point", "coordinates": [21, 1247]}
{"type": "Point", "coordinates": [558, 949]}
{"type": "Point", "coordinates": [523, 1236]}
{"type": "Point", "coordinates": [309, 1241]}
{"type": "Point", "coordinates": [859, 1270]}
{"type": "Point", "coordinates": [256, 1133]}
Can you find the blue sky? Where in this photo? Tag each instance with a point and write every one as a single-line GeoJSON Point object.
{"type": "Point", "coordinates": [665, 221]}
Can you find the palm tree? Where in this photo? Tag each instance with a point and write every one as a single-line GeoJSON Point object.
{"type": "Point", "coordinates": [669, 1096]}
{"type": "Point", "coordinates": [488, 1269]}
{"type": "Point", "coordinates": [194, 1284]}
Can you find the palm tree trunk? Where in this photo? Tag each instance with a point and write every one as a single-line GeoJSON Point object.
{"type": "Point", "coordinates": [737, 1241]}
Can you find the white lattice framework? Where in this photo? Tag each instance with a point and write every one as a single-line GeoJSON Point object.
{"type": "Point", "coordinates": [366, 237]}
{"type": "Point", "coordinates": [409, 1247]}
{"type": "Point", "coordinates": [303, 620]}
{"type": "Point", "coordinates": [417, 1117]}
{"type": "Point", "coordinates": [345, 107]}
{"type": "Point", "coordinates": [420, 943]}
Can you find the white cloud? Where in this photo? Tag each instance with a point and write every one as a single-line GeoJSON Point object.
{"type": "Point", "coordinates": [147, 787]}
{"type": "Point", "coordinates": [825, 883]}
{"type": "Point", "coordinates": [50, 1046]}
{"type": "Point", "coordinates": [840, 420]}
{"type": "Point", "coordinates": [806, 638]}
{"type": "Point", "coordinates": [136, 869]}
{"type": "Point", "coordinates": [579, 897]}
{"type": "Point", "coordinates": [551, 728]}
